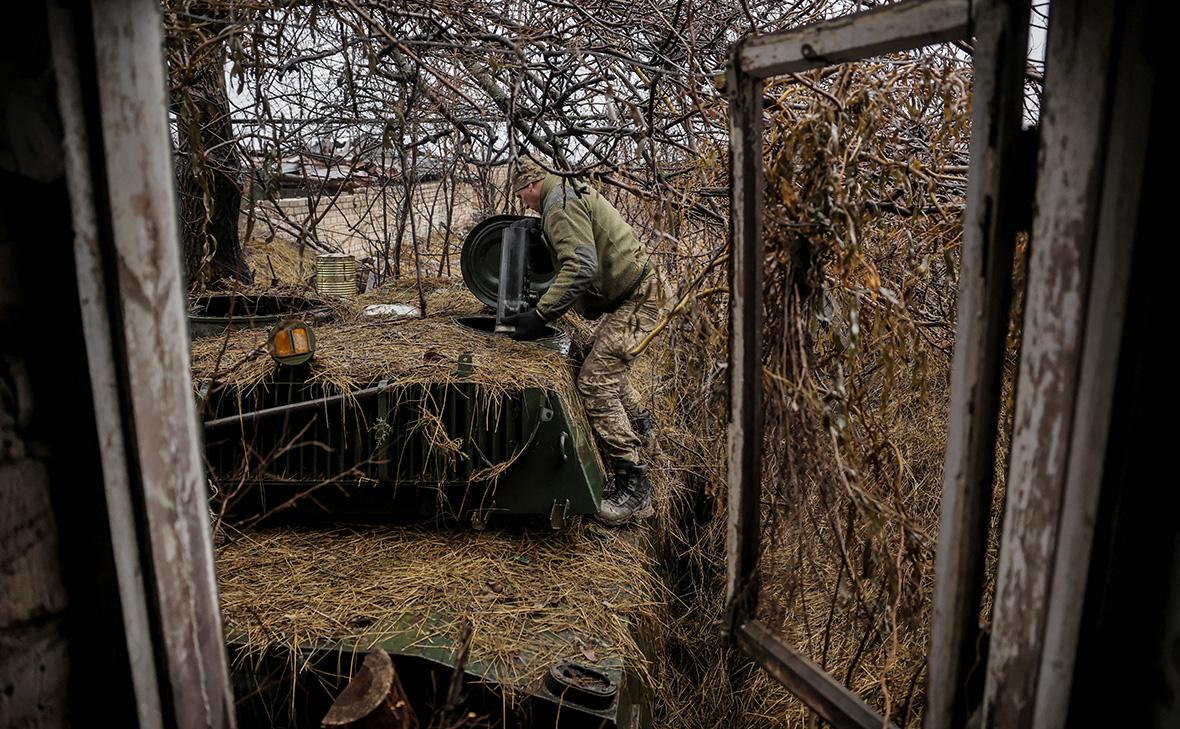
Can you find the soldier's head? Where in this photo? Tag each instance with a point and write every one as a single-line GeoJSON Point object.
{"type": "Point", "coordinates": [526, 182]}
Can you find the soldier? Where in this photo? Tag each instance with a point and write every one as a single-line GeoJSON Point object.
{"type": "Point", "coordinates": [602, 272]}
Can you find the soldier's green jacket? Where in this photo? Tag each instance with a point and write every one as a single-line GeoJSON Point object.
{"type": "Point", "coordinates": [599, 259]}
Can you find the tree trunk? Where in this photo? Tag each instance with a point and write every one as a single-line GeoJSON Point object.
{"type": "Point", "coordinates": [209, 172]}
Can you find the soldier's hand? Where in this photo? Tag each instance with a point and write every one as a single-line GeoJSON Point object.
{"type": "Point", "coordinates": [528, 324]}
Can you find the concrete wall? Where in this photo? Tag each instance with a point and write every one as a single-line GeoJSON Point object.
{"type": "Point", "coordinates": [361, 222]}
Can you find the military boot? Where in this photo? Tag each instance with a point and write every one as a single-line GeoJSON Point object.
{"type": "Point", "coordinates": [644, 425]}
{"type": "Point", "coordinates": [631, 499]}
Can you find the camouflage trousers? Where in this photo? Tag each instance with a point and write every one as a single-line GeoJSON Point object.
{"type": "Point", "coordinates": [604, 383]}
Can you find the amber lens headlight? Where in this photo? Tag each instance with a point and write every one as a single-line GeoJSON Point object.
{"type": "Point", "coordinates": [291, 342]}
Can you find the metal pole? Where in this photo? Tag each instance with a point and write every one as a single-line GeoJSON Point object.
{"type": "Point", "coordinates": [251, 416]}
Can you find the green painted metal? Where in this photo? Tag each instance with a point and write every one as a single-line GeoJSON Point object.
{"type": "Point", "coordinates": [368, 458]}
{"type": "Point", "coordinates": [479, 261]}
{"type": "Point", "coordinates": [551, 337]}
{"type": "Point", "coordinates": [433, 642]}
{"type": "Point", "coordinates": [213, 314]}
{"type": "Point", "coordinates": [290, 326]}
{"type": "Point", "coordinates": [432, 636]}
{"type": "Point", "coordinates": [535, 444]}
{"type": "Point", "coordinates": [560, 464]}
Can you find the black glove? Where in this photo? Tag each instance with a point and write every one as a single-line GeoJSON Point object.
{"type": "Point", "coordinates": [528, 324]}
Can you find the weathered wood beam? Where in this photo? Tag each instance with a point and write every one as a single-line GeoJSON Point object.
{"type": "Point", "coordinates": [1118, 214]}
{"type": "Point", "coordinates": [888, 29]}
{"type": "Point", "coordinates": [1060, 300]}
{"type": "Point", "coordinates": [895, 28]}
{"type": "Point", "coordinates": [109, 65]}
{"type": "Point", "coordinates": [745, 339]}
{"type": "Point", "coordinates": [989, 237]}
{"type": "Point", "coordinates": [814, 686]}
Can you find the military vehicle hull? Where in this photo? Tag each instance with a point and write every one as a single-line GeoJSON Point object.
{"type": "Point", "coordinates": [559, 634]}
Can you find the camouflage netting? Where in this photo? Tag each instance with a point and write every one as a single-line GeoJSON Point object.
{"type": "Point", "coordinates": [297, 588]}
{"type": "Point", "coordinates": [354, 350]}
{"type": "Point", "coordinates": [865, 173]}
{"type": "Point", "coordinates": [289, 591]}
{"type": "Point", "coordinates": [405, 351]}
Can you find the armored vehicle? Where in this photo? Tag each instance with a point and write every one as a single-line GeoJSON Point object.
{"type": "Point", "coordinates": [356, 464]}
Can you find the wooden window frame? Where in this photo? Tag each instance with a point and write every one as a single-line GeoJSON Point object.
{"type": "Point", "coordinates": [112, 91]}
{"type": "Point", "coordinates": [1001, 30]}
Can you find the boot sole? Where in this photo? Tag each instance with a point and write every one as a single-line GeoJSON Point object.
{"type": "Point", "coordinates": [637, 516]}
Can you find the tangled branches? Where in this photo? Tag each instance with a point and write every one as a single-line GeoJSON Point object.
{"type": "Point", "coordinates": [866, 182]}
{"type": "Point", "coordinates": [348, 93]}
